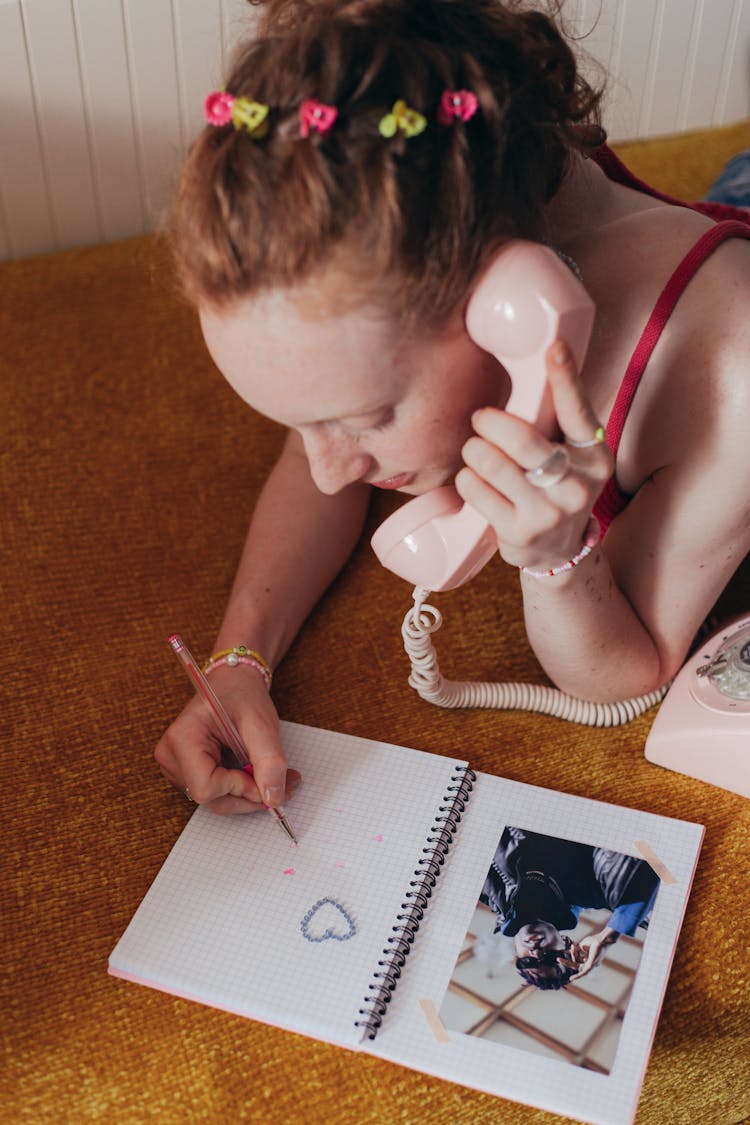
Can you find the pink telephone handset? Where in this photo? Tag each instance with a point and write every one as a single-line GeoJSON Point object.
{"type": "Point", "coordinates": [525, 300]}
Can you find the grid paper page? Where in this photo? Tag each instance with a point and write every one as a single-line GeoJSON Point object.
{"type": "Point", "coordinates": [241, 919]}
{"type": "Point", "coordinates": [407, 1037]}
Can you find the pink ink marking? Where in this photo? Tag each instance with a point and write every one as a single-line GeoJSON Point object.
{"type": "Point", "coordinates": [289, 871]}
{"type": "Point", "coordinates": [339, 863]}
{"type": "Point", "coordinates": [378, 837]}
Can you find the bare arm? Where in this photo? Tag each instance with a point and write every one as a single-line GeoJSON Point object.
{"type": "Point", "coordinates": [631, 610]}
{"type": "Point", "coordinates": [298, 541]}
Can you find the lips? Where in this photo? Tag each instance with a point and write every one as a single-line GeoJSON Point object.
{"type": "Point", "coordinates": [393, 482]}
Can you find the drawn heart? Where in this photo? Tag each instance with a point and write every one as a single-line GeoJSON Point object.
{"type": "Point", "coordinates": [331, 922]}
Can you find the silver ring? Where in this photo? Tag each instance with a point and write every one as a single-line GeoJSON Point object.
{"type": "Point", "coordinates": [550, 471]}
{"type": "Point", "coordinates": [599, 438]}
{"type": "Point", "coordinates": [192, 800]}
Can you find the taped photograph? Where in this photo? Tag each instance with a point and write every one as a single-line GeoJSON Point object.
{"type": "Point", "coordinates": [553, 949]}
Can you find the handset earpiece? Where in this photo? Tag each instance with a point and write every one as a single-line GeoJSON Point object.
{"type": "Point", "coordinates": [526, 299]}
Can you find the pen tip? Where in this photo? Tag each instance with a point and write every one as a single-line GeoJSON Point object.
{"type": "Point", "coordinates": [288, 829]}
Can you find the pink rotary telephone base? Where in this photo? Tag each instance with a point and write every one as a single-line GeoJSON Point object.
{"type": "Point", "coordinates": [703, 726]}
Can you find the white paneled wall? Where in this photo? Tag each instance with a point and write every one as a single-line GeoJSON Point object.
{"type": "Point", "coordinates": [674, 65]}
{"type": "Point", "coordinates": [98, 98]}
{"type": "Point", "coordinates": [97, 101]}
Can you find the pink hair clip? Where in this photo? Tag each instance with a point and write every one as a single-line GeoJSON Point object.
{"type": "Point", "coordinates": [456, 105]}
{"type": "Point", "coordinates": [217, 108]}
{"type": "Point", "coordinates": [316, 115]}
{"type": "Point", "coordinates": [221, 108]}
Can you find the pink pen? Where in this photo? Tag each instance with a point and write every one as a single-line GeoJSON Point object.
{"type": "Point", "coordinates": [229, 733]}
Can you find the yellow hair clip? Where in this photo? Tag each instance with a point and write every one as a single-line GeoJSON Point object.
{"type": "Point", "coordinates": [404, 119]}
{"type": "Point", "coordinates": [252, 116]}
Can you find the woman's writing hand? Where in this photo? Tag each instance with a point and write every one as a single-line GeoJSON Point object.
{"type": "Point", "coordinates": [189, 753]}
{"type": "Point", "coordinates": [541, 521]}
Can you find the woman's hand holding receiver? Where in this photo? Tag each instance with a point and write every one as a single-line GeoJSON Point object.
{"type": "Point", "coordinates": [538, 494]}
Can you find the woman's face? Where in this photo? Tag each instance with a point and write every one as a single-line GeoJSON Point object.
{"type": "Point", "coordinates": [369, 406]}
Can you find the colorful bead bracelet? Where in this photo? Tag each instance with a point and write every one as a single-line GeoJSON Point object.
{"type": "Point", "coordinates": [593, 534]}
{"type": "Point", "coordinates": [240, 655]}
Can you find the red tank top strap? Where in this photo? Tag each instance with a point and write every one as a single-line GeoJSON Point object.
{"type": "Point", "coordinates": [612, 500]}
{"type": "Point", "coordinates": [661, 313]}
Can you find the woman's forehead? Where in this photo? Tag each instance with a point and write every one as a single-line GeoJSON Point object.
{"type": "Point", "coordinates": [278, 357]}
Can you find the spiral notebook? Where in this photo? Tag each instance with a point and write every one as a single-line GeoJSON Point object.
{"type": "Point", "coordinates": [375, 933]}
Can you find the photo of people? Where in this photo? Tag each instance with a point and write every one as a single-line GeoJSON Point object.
{"type": "Point", "coordinates": [553, 949]}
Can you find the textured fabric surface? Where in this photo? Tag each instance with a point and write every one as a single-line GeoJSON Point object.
{"type": "Point", "coordinates": [129, 470]}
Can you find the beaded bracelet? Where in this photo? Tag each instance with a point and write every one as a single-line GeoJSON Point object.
{"type": "Point", "coordinates": [240, 655]}
{"type": "Point", "coordinates": [593, 532]}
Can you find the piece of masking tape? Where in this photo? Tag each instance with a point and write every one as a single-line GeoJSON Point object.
{"type": "Point", "coordinates": [436, 1025]}
{"type": "Point", "coordinates": [652, 858]}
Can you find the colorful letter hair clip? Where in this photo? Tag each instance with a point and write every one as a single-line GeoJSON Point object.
{"type": "Point", "coordinates": [402, 119]}
{"type": "Point", "coordinates": [221, 108]}
{"type": "Point", "coordinates": [456, 105]}
{"type": "Point", "coordinates": [316, 115]}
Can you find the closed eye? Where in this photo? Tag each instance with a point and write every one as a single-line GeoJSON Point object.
{"type": "Point", "coordinates": [369, 424]}
{"type": "Point", "coordinates": [382, 425]}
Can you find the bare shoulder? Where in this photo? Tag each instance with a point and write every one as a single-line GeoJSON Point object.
{"type": "Point", "coordinates": [728, 266]}
{"type": "Point", "coordinates": [685, 456]}
{"type": "Point", "coordinates": [698, 418]}
{"type": "Point", "coordinates": [697, 383]}
{"type": "Point", "coordinates": [708, 350]}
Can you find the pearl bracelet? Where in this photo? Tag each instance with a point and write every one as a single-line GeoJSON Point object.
{"type": "Point", "coordinates": [240, 655]}
{"type": "Point", "coordinates": [593, 533]}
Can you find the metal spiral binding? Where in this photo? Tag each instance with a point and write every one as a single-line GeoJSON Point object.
{"type": "Point", "coordinates": [416, 901]}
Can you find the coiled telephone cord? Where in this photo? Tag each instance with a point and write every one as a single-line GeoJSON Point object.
{"type": "Point", "coordinates": [423, 620]}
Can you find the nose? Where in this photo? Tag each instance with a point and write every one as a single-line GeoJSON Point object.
{"type": "Point", "coordinates": [335, 459]}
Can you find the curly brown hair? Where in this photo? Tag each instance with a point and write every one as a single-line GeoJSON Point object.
{"type": "Point", "coordinates": [414, 218]}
